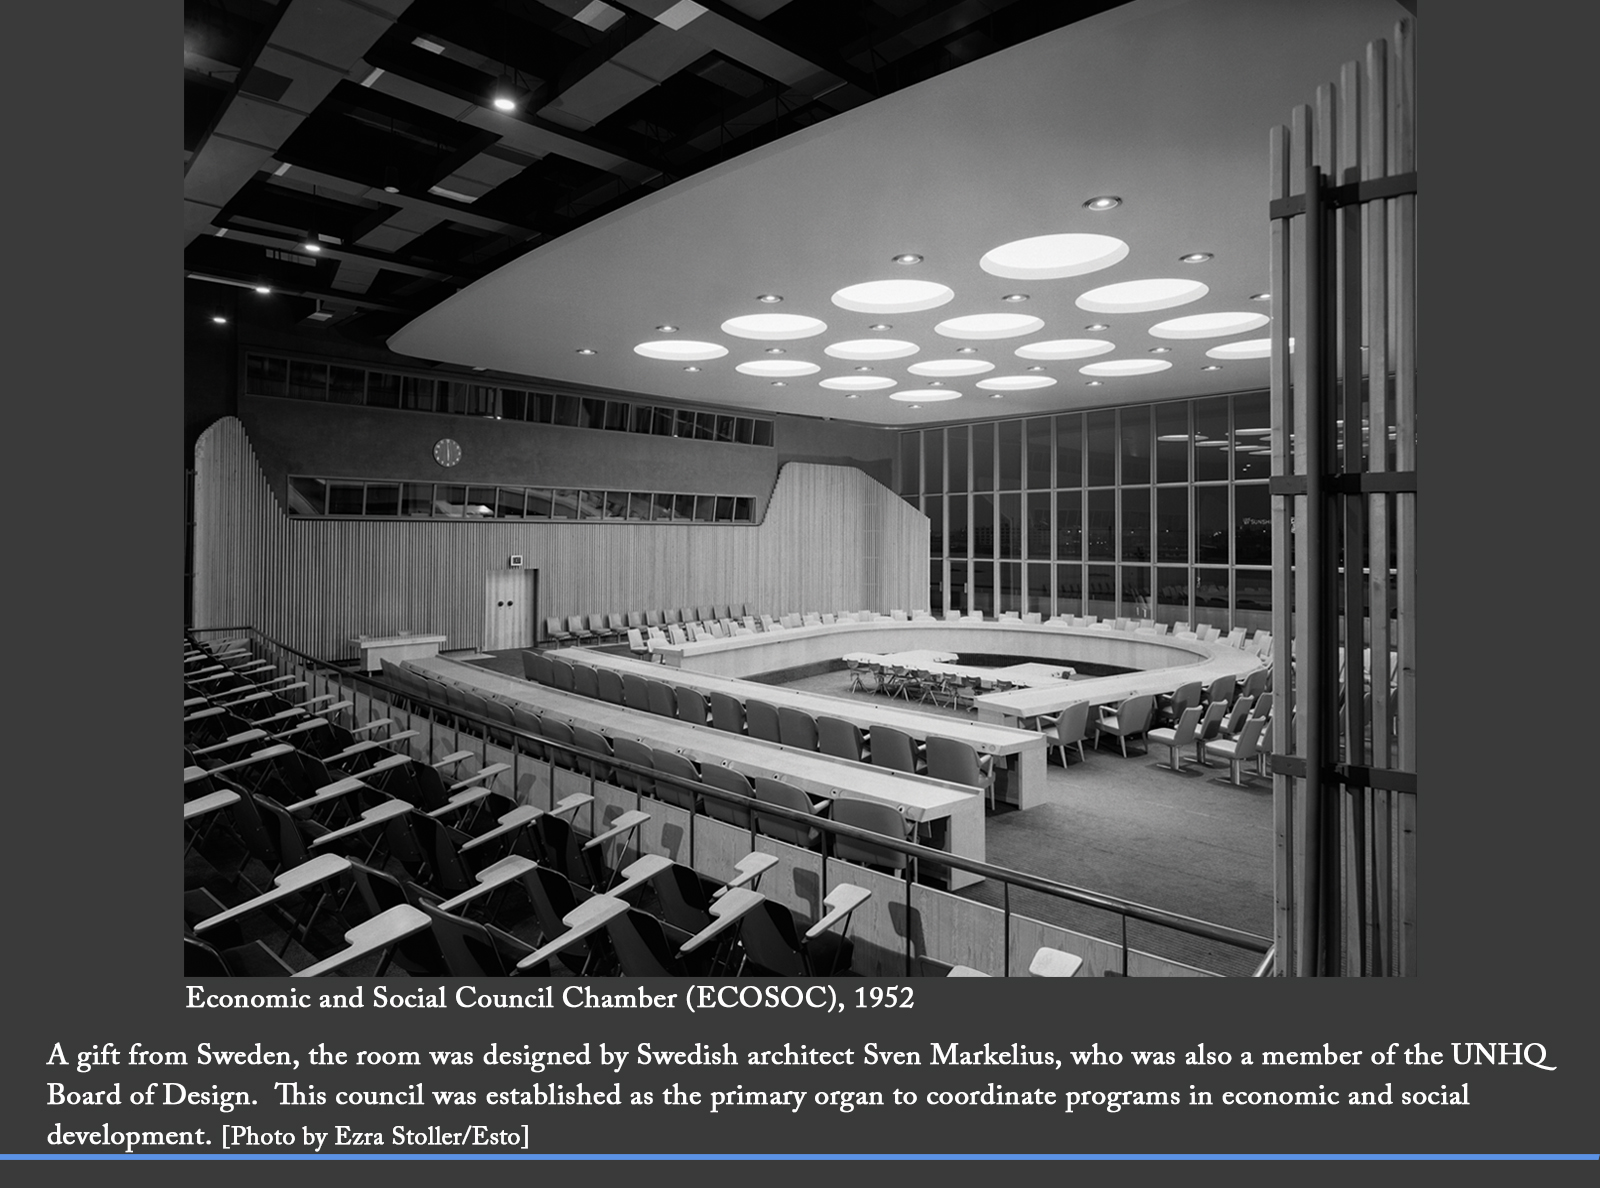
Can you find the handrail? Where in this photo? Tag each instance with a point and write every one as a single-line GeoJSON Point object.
{"type": "Point", "coordinates": [1127, 909]}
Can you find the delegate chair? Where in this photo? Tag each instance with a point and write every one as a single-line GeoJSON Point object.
{"type": "Point", "coordinates": [554, 632]}
{"type": "Point", "coordinates": [645, 948]}
{"type": "Point", "coordinates": [727, 780]}
{"type": "Point", "coordinates": [682, 769]}
{"type": "Point", "coordinates": [1237, 717]}
{"type": "Point", "coordinates": [879, 818]}
{"type": "Point", "coordinates": [1210, 728]}
{"type": "Point", "coordinates": [586, 680]}
{"type": "Point", "coordinates": [636, 692]}
{"type": "Point", "coordinates": [796, 728]}
{"type": "Point", "coordinates": [1129, 719]}
{"type": "Point", "coordinates": [579, 630]}
{"type": "Point", "coordinates": [774, 792]}
{"type": "Point", "coordinates": [596, 765]}
{"type": "Point", "coordinates": [1066, 729]}
{"type": "Point", "coordinates": [896, 751]}
{"type": "Point", "coordinates": [692, 706]}
{"type": "Point", "coordinates": [474, 950]}
{"type": "Point", "coordinates": [1237, 750]}
{"type": "Point", "coordinates": [842, 740]}
{"type": "Point", "coordinates": [1180, 735]}
{"type": "Point", "coordinates": [762, 721]}
{"type": "Point", "coordinates": [1170, 706]}
{"type": "Point", "coordinates": [727, 713]}
{"type": "Point", "coordinates": [626, 750]}
{"type": "Point", "coordinates": [636, 643]}
{"type": "Point", "coordinates": [956, 761]}
{"type": "Point", "coordinates": [773, 944]}
{"type": "Point", "coordinates": [561, 676]}
{"type": "Point", "coordinates": [659, 696]}
{"type": "Point", "coordinates": [609, 681]}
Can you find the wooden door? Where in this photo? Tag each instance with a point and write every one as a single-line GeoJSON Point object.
{"type": "Point", "coordinates": [510, 599]}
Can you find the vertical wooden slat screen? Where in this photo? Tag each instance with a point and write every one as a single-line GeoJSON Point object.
{"type": "Point", "coordinates": [1342, 193]}
{"type": "Point", "coordinates": [833, 539]}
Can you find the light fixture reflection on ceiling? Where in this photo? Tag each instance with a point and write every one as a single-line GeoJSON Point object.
{"type": "Point", "coordinates": [777, 368]}
{"type": "Point", "coordinates": [263, 289]}
{"type": "Point", "coordinates": [950, 368]}
{"type": "Point", "coordinates": [1121, 367]}
{"type": "Point", "coordinates": [857, 383]}
{"type": "Point", "coordinates": [1104, 202]}
{"type": "Point", "coordinates": [1016, 383]}
{"type": "Point", "coordinates": [873, 350]}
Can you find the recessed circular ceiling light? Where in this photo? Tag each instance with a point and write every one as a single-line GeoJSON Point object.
{"type": "Point", "coordinates": [1065, 348]}
{"type": "Point", "coordinates": [775, 368]}
{"type": "Point", "coordinates": [893, 296]}
{"type": "Point", "coordinates": [1209, 325]}
{"type": "Point", "coordinates": [1252, 432]}
{"type": "Point", "coordinates": [1260, 296]}
{"type": "Point", "coordinates": [769, 298]}
{"type": "Point", "coordinates": [966, 350]}
{"type": "Point", "coordinates": [677, 350]}
{"type": "Point", "coordinates": [997, 395]}
{"type": "Point", "coordinates": [929, 394]}
{"type": "Point", "coordinates": [502, 103]}
{"type": "Point", "coordinates": [989, 325]}
{"type": "Point", "coordinates": [936, 384]}
{"type": "Point", "coordinates": [950, 368]}
{"type": "Point", "coordinates": [916, 406]}
{"type": "Point", "coordinates": [263, 289]}
{"type": "Point", "coordinates": [1050, 257]}
{"type": "Point", "coordinates": [1121, 367]}
{"type": "Point", "coordinates": [776, 351]}
{"type": "Point", "coordinates": [1212, 367]}
{"type": "Point", "coordinates": [1142, 296]}
{"type": "Point", "coordinates": [852, 396]}
{"type": "Point", "coordinates": [590, 350]}
{"type": "Point", "coordinates": [1036, 367]}
{"type": "Point", "coordinates": [1104, 202]}
{"type": "Point", "coordinates": [907, 258]}
{"type": "Point", "coordinates": [857, 383]}
{"type": "Point", "coordinates": [874, 349]}
{"type": "Point", "coordinates": [774, 327]}
{"type": "Point", "coordinates": [1014, 297]}
{"type": "Point", "coordinates": [391, 189]}
{"type": "Point", "coordinates": [779, 384]}
{"type": "Point", "coordinates": [312, 246]}
{"type": "Point", "coordinates": [880, 327]}
{"type": "Point", "coordinates": [1016, 383]}
{"type": "Point", "coordinates": [691, 367]}
{"type": "Point", "coordinates": [1173, 437]}
{"type": "Point", "coordinates": [1098, 326]}
{"type": "Point", "coordinates": [863, 367]}
{"type": "Point", "coordinates": [1250, 348]}
{"type": "Point", "coordinates": [1093, 384]}
{"type": "Point", "coordinates": [1160, 350]}
{"type": "Point", "coordinates": [219, 319]}
{"type": "Point", "coordinates": [1195, 258]}
{"type": "Point", "coordinates": [666, 329]}
{"type": "Point", "coordinates": [480, 369]}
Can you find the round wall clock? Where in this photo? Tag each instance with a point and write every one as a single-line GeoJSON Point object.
{"type": "Point", "coordinates": [446, 451]}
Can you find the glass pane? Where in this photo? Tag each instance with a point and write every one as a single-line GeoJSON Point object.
{"type": "Point", "coordinates": [568, 410]}
{"type": "Point", "coordinates": [910, 464]}
{"type": "Point", "coordinates": [417, 393]}
{"type": "Point", "coordinates": [1069, 526]}
{"type": "Point", "coordinates": [1211, 524]}
{"type": "Point", "coordinates": [958, 526]}
{"type": "Point", "coordinates": [541, 505]}
{"type": "Point", "coordinates": [266, 377]}
{"type": "Point", "coordinates": [383, 499]}
{"type": "Point", "coordinates": [1102, 592]}
{"type": "Point", "coordinates": [1135, 429]}
{"type": "Point", "coordinates": [1010, 455]}
{"type": "Point", "coordinates": [1252, 534]}
{"type": "Point", "coordinates": [1039, 590]}
{"type": "Point", "coordinates": [1172, 595]}
{"type": "Point", "coordinates": [508, 504]}
{"type": "Point", "coordinates": [665, 421]}
{"type": "Point", "coordinates": [1101, 526]}
{"type": "Point", "coordinates": [593, 415]}
{"type": "Point", "coordinates": [616, 505]}
{"type": "Point", "coordinates": [983, 457]}
{"type": "Point", "coordinates": [639, 506]}
{"type": "Point", "coordinates": [1011, 586]}
{"type": "Point", "coordinates": [449, 499]}
{"type": "Point", "coordinates": [308, 381]}
{"type": "Point", "coordinates": [1039, 525]}
{"type": "Point", "coordinates": [564, 505]}
{"type": "Point", "coordinates": [1211, 597]}
{"type": "Point", "coordinates": [347, 385]}
{"type": "Point", "coordinates": [983, 526]}
{"type": "Point", "coordinates": [933, 508]}
{"type": "Point", "coordinates": [705, 508]}
{"type": "Point", "coordinates": [643, 414]}
{"type": "Point", "coordinates": [1069, 589]}
{"type": "Point", "coordinates": [1135, 591]}
{"type": "Point", "coordinates": [743, 430]}
{"type": "Point", "coordinates": [936, 587]}
{"type": "Point", "coordinates": [705, 426]}
{"type": "Point", "coordinates": [724, 509]}
{"type": "Point", "coordinates": [683, 507]}
{"type": "Point", "coordinates": [480, 503]}
{"type": "Point", "coordinates": [1172, 524]}
{"type": "Point", "coordinates": [1136, 523]}
{"type": "Point", "coordinates": [665, 505]}
{"type": "Point", "coordinates": [618, 416]}
{"type": "Point", "coordinates": [591, 505]}
{"type": "Point", "coordinates": [454, 395]}
{"type": "Point", "coordinates": [724, 428]}
{"type": "Point", "coordinates": [1253, 591]}
{"type": "Point", "coordinates": [513, 403]}
{"type": "Point", "coordinates": [763, 433]}
{"type": "Point", "coordinates": [1039, 449]}
{"type": "Point", "coordinates": [933, 460]}
{"type": "Point", "coordinates": [482, 399]}
{"type": "Point", "coordinates": [983, 587]}
{"type": "Point", "coordinates": [1252, 430]}
{"type": "Point", "coordinates": [1069, 451]}
{"type": "Point", "coordinates": [416, 499]}
{"type": "Point", "coordinates": [956, 455]}
{"type": "Point", "coordinates": [307, 497]}
{"type": "Point", "coordinates": [1172, 442]}
{"type": "Point", "coordinates": [1011, 526]}
{"type": "Point", "coordinates": [1211, 425]}
{"type": "Point", "coordinates": [541, 407]}
{"type": "Point", "coordinates": [956, 597]}
{"type": "Point", "coordinates": [685, 424]}
{"type": "Point", "coordinates": [743, 509]}
{"type": "Point", "coordinates": [1102, 433]}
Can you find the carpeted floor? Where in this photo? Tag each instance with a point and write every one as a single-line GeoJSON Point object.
{"type": "Point", "coordinates": [1192, 843]}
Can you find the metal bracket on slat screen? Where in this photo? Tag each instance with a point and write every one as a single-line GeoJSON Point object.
{"type": "Point", "coordinates": [1349, 194]}
{"type": "Point", "coordinates": [1370, 482]}
{"type": "Point", "coordinates": [1349, 775]}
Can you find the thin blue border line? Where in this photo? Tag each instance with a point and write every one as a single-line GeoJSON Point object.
{"type": "Point", "coordinates": [814, 1156]}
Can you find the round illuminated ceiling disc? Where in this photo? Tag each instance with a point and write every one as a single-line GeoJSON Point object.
{"type": "Point", "coordinates": [925, 395]}
{"type": "Point", "coordinates": [1117, 367]}
{"type": "Point", "coordinates": [1066, 348]}
{"type": "Point", "coordinates": [863, 350]}
{"type": "Point", "coordinates": [1251, 348]}
{"type": "Point", "coordinates": [947, 368]}
{"type": "Point", "coordinates": [989, 325]}
{"type": "Point", "coordinates": [774, 327]}
{"type": "Point", "coordinates": [1209, 325]}
{"type": "Point", "coordinates": [1016, 383]}
{"type": "Point", "coordinates": [1142, 296]}
{"type": "Point", "coordinates": [1046, 257]}
{"type": "Point", "coordinates": [680, 350]}
{"type": "Point", "coordinates": [857, 383]}
{"type": "Point", "coordinates": [776, 368]}
{"type": "Point", "coordinates": [893, 296]}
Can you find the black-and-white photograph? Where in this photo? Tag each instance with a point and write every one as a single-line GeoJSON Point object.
{"type": "Point", "coordinates": [800, 488]}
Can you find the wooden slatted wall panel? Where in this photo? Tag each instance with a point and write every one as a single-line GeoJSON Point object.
{"type": "Point", "coordinates": [833, 539]}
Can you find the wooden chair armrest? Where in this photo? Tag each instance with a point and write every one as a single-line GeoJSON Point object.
{"type": "Point", "coordinates": [487, 773]}
{"type": "Point", "coordinates": [460, 801]}
{"type": "Point", "coordinates": [372, 725]}
{"type": "Point", "coordinates": [571, 803]}
{"type": "Point", "coordinates": [451, 759]}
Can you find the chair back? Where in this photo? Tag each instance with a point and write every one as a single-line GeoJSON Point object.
{"type": "Point", "coordinates": [880, 818]}
{"type": "Point", "coordinates": [771, 941]}
{"type": "Point", "coordinates": [1256, 683]}
{"type": "Point", "coordinates": [1237, 716]}
{"type": "Point", "coordinates": [953, 760]}
{"type": "Point", "coordinates": [670, 763]}
{"type": "Point", "coordinates": [560, 733]}
{"type": "Point", "coordinates": [661, 701]}
{"type": "Point", "coordinates": [652, 619]}
{"type": "Point", "coordinates": [636, 640]}
{"type": "Point", "coordinates": [728, 780]}
{"type": "Point", "coordinates": [553, 629]}
{"type": "Point", "coordinates": [629, 751]}
{"type": "Point", "coordinates": [841, 739]}
{"type": "Point", "coordinates": [561, 675]}
{"type": "Point", "coordinates": [593, 740]}
{"type": "Point", "coordinates": [528, 720]}
{"type": "Point", "coordinates": [636, 620]}
{"type": "Point", "coordinates": [575, 625]}
{"type": "Point", "coordinates": [585, 680]}
{"type": "Point", "coordinates": [636, 692]}
{"type": "Point", "coordinates": [775, 792]}
{"type": "Point", "coordinates": [1073, 724]}
{"type": "Point", "coordinates": [642, 947]}
{"type": "Point", "coordinates": [1133, 715]}
{"type": "Point", "coordinates": [1249, 739]}
{"type": "Point", "coordinates": [609, 681]}
{"type": "Point", "coordinates": [530, 665]}
{"type": "Point", "coordinates": [761, 721]}
{"type": "Point", "coordinates": [1221, 689]}
{"type": "Point", "coordinates": [692, 706]}
{"type": "Point", "coordinates": [796, 728]}
{"type": "Point", "coordinates": [1187, 727]}
{"type": "Point", "coordinates": [1211, 725]}
{"type": "Point", "coordinates": [1185, 696]}
{"type": "Point", "coordinates": [727, 713]}
{"type": "Point", "coordinates": [893, 749]}
{"type": "Point", "coordinates": [468, 947]}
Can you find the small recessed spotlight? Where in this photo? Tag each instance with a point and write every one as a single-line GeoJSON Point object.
{"type": "Point", "coordinates": [1195, 258]}
{"type": "Point", "coordinates": [691, 369]}
{"type": "Point", "coordinates": [1036, 367]}
{"type": "Point", "coordinates": [769, 298]}
{"type": "Point", "coordinates": [1014, 297]}
{"type": "Point", "coordinates": [779, 384]}
{"type": "Point", "coordinates": [857, 396]}
{"type": "Point", "coordinates": [880, 326]}
{"type": "Point", "coordinates": [966, 350]}
{"type": "Point", "coordinates": [502, 103]}
{"type": "Point", "coordinates": [585, 350]}
{"type": "Point", "coordinates": [1212, 367]}
{"type": "Point", "coordinates": [1160, 350]}
{"type": "Point", "coordinates": [997, 395]}
{"type": "Point", "coordinates": [391, 189]}
{"type": "Point", "coordinates": [863, 369]}
{"type": "Point", "coordinates": [1092, 384]}
{"type": "Point", "coordinates": [936, 384]}
{"type": "Point", "coordinates": [264, 289]}
{"type": "Point", "coordinates": [1260, 296]}
{"type": "Point", "coordinates": [219, 319]}
{"type": "Point", "coordinates": [1098, 326]}
{"type": "Point", "coordinates": [1104, 202]}
{"type": "Point", "coordinates": [908, 258]}
{"type": "Point", "coordinates": [311, 245]}
{"type": "Point", "coordinates": [667, 329]}
{"type": "Point", "coordinates": [480, 369]}
{"type": "Point", "coordinates": [776, 351]}
{"type": "Point", "coordinates": [916, 406]}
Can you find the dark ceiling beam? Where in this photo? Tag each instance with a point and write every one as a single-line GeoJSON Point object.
{"type": "Point", "coordinates": [332, 251]}
{"type": "Point", "coordinates": [238, 79]}
{"type": "Point", "coordinates": [820, 56]}
{"type": "Point", "coordinates": [331, 295]}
